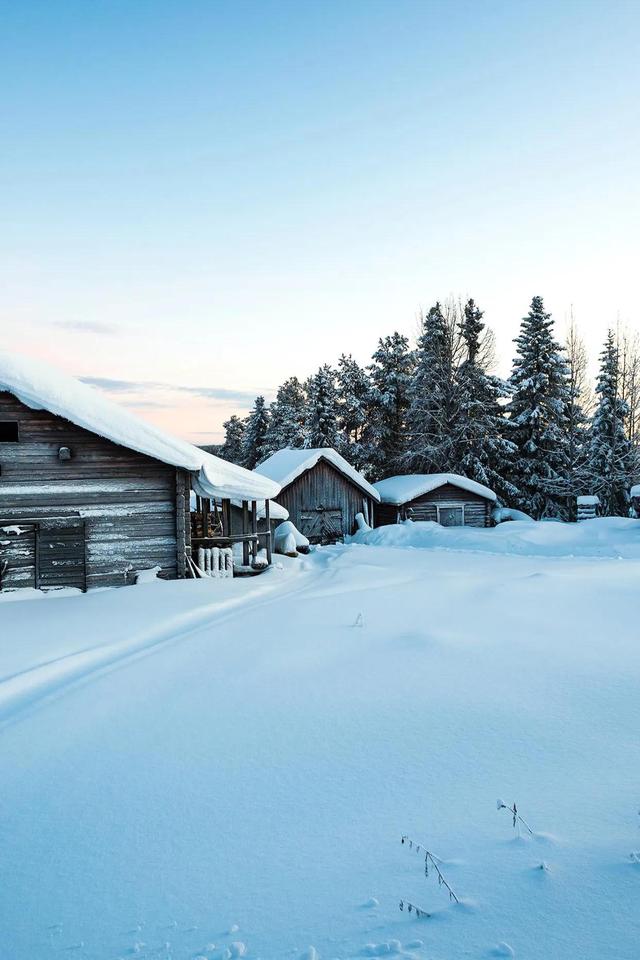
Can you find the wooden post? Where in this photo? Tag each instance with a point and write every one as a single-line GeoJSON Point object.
{"type": "Point", "coordinates": [268, 523]}
{"type": "Point", "coordinates": [205, 517]}
{"type": "Point", "coordinates": [226, 518]}
{"type": "Point", "coordinates": [254, 528]}
{"type": "Point", "coordinates": [181, 524]}
{"type": "Point", "coordinates": [245, 531]}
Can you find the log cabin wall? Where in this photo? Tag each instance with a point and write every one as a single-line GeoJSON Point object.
{"type": "Point", "coordinates": [477, 510]}
{"type": "Point", "coordinates": [323, 487]}
{"type": "Point", "coordinates": [129, 511]}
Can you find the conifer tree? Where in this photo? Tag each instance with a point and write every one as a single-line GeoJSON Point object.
{"type": "Point", "coordinates": [286, 417]}
{"type": "Point", "coordinates": [484, 453]}
{"type": "Point", "coordinates": [577, 421]}
{"type": "Point", "coordinates": [231, 449]}
{"type": "Point", "coordinates": [538, 416]}
{"type": "Point", "coordinates": [391, 373]}
{"type": "Point", "coordinates": [321, 425]}
{"type": "Point", "coordinates": [432, 418]}
{"type": "Point", "coordinates": [353, 394]}
{"type": "Point", "coordinates": [255, 434]}
{"type": "Point", "coordinates": [610, 456]}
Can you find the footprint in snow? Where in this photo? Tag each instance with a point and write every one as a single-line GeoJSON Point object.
{"type": "Point", "coordinates": [503, 949]}
{"type": "Point", "coordinates": [386, 949]}
{"type": "Point", "coordinates": [310, 954]}
{"type": "Point", "coordinates": [370, 903]}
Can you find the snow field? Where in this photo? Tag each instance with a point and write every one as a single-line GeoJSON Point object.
{"type": "Point", "coordinates": [250, 782]}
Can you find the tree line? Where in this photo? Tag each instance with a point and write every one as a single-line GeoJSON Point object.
{"type": "Point", "coordinates": [539, 439]}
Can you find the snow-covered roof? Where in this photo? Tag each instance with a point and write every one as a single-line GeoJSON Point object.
{"type": "Point", "coordinates": [591, 501]}
{"type": "Point", "coordinates": [276, 510]}
{"type": "Point", "coordinates": [40, 387]}
{"type": "Point", "coordinates": [397, 490]}
{"type": "Point", "coordinates": [635, 490]}
{"type": "Point", "coordinates": [285, 466]}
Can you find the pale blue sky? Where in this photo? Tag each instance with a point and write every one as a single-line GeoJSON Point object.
{"type": "Point", "coordinates": [218, 195]}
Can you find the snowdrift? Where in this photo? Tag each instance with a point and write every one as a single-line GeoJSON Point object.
{"type": "Point", "coordinates": [614, 537]}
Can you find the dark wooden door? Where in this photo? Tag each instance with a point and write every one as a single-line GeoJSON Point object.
{"type": "Point", "coordinates": [451, 516]}
{"type": "Point", "coordinates": [61, 553]}
{"type": "Point", "coordinates": [322, 524]}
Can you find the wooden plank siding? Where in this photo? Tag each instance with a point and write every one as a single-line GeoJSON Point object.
{"type": "Point", "coordinates": [135, 510]}
{"type": "Point", "coordinates": [477, 509]}
{"type": "Point", "coordinates": [323, 486]}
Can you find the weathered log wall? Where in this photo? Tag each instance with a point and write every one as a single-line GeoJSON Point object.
{"type": "Point", "coordinates": [477, 510]}
{"type": "Point", "coordinates": [134, 509]}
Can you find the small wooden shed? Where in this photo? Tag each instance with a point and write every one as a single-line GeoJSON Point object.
{"type": "Point", "coordinates": [322, 492]}
{"type": "Point", "coordinates": [446, 498]}
{"type": "Point", "coordinates": [90, 494]}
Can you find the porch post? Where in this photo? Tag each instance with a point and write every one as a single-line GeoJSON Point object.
{"type": "Point", "coordinates": [245, 531]}
{"type": "Point", "coordinates": [254, 528]}
{"type": "Point", "coordinates": [268, 523]}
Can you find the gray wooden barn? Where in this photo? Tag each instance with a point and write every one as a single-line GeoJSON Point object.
{"type": "Point", "coordinates": [90, 494]}
{"type": "Point", "coordinates": [446, 498]}
{"type": "Point", "coordinates": [321, 491]}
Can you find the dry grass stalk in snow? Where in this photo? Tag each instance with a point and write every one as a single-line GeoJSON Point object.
{"type": "Point", "coordinates": [430, 858]}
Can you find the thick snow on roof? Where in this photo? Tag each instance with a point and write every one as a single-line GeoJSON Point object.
{"type": "Point", "coordinates": [399, 490]}
{"type": "Point", "coordinates": [590, 501]}
{"type": "Point", "coordinates": [635, 490]}
{"type": "Point", "coordinates": [41, 387]}
{"type": "Point", "coordinates": [276, 510]}
{"type": "Point", "coordinates": [287, 465]}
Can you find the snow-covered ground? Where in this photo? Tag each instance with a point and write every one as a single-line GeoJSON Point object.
{"type": "Point", "coordinates": [233, 763]}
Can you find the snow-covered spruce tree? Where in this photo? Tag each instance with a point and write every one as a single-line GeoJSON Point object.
{"type": "Point", "coordinates": [483, 453]}
{"type": "Point", "coordinates": [577, 421]}
{"type": "Point", "coordinates": [286, 417]}
{"type": "Point", "coordinates": [255, 434]}
{"type": "Point", "coordinates": [321, 425]}
{"type": "Point", "coordinates": [538, 416]}
{"type": "Point", "coordinates": [353, 392]}
{"type": "Point", "coordinates": [610, 453]}
{"type": "Point", "coordinates": [231, 449]}
{"type": "Point", "coordinates": [433, 415]}
{"type": "Point", "coordinates": [391, 372]}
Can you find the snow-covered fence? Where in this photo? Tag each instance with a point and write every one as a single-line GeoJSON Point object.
{"type": "Point", "coordinates": [215, 562]}
{"type": "Point", "coordinates": [588, 507]}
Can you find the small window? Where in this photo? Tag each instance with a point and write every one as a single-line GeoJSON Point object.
{"type": "Point", "coordinates": [9, 431]}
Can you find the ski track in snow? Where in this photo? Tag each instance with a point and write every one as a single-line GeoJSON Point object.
{"type": "Point", "coordinates": [29, 688]}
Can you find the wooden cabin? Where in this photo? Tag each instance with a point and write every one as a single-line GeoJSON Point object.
{"type": "Point", "coordinates": [321, 491]}
{"type": "Point", "coordinates": [446, 498]}
{"type": "Point", "coordinates": [89, 494]}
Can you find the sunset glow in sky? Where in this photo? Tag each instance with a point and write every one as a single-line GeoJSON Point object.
{"type": "Point", "coordinates": [199, 199]}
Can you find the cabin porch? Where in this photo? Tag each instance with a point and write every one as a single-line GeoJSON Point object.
{"type": "Point", "coordinates": [221, 547]}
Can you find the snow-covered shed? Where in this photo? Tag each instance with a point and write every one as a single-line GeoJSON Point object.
{"type": "Point", "coordinates": [447, 498]}
{"type": "Point", "coordinates": [321, 490]}
{"type": "Point", "coordinates": [90, 494]}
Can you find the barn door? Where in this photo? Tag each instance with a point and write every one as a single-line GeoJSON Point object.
{"type": "Point", "coordinates": [61, 553]}
{"type": "Point", "coordinates": [451, 516]}
{"type": "Point", "coordinates": [332, 525]}
{"type": "Point", "coordinates": [17, 555]}
{"type": "Point", "coordinates": [321, 525]}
